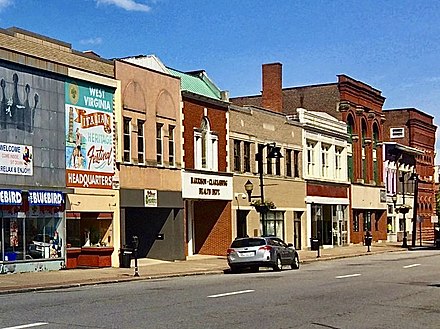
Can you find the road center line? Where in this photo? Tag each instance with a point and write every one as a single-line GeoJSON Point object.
{"type": "Point", "coordinates": [347, 276]}
{"type": "Point", "coordinates": [412, 265]}
{"type": "Point", "coordinates": [30, 325]}
{"type": "Point", "coordinates": [231, 293]}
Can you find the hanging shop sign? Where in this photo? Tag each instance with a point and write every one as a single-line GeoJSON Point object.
{"type": "Point", "coordinates": [150, 198]}
{"type": "Point", "coordinates": [206, 186]}
{"type": "Point", "coordinates": [45, 198]}
{"type": "Point", "coordinates": [16, 159]}
{"type": "Point", "coordinates": [89, 135]}
{"type": "Point", "coordinates": [10, 197]}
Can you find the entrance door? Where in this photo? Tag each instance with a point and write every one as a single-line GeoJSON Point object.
{"type": "Point", "coordinates": [241, 216]}
{"type": "Point", "coordinates": [297, 234]}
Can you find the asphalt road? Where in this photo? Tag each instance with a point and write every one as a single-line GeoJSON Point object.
{"type": "Point", "coordinates": [392, 290]}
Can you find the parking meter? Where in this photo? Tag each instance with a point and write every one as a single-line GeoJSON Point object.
{"type": "Point", "coordinates": [135, 243]}
{"type": "Point", "coordinates": [368, 240]}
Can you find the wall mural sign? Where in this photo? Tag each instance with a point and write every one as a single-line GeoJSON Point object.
{"type": "Point", "coordinates": [16, 113]}
{"type": "Point", "coordinates": [16, 159]}
{"type": "Point", "coordinates": [89, 135]}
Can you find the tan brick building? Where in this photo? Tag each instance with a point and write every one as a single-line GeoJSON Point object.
{"type": "Point", "coordinates": [149, 158]}
{"type": "Point", "coordinates": [254, 130]}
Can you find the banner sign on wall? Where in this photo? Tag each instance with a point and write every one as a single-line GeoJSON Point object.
{"type": "Point", "coordinates": [45, 198]}
{"type": "Point", "coordinates": [10, 197]}
{"type": "Point", "coordinates": [16, 159]}
{"type": "Point", "coordinates": [89, 135]}
{"type": "Point", "coordinates": [206, 186]}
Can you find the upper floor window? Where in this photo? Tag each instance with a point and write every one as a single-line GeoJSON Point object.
{"type": "Point", "coordinates": [325, 165]}
{"type": "Point", "coordinates": [397, 132]}
{"type": "Point", "coordinates": [269, 170]}
{"type": "Point", "coordinates": [247, 156]}
{"type": "Point", "coordinates": [127, 139]}
{"type": "Point", "coordinates": [237, 156]}
{"type": "Point", "coordinates": [310, 158]}
{"type": "Point", "coordinates": [141, 143]}
{"type": "Point", "coordinates": [159, 144]}
{"type": "Point", "coordinates": [205, 147]}
{"type": "Point", "coordinates": [171, 148]}
{"type": "Point", "coordinates": [289, 163]}
{"type": "Point", "coordinates": [278, 166]}
{"type": "Point", "coordinates": [338, 162]}
{"type": "Point", "coordinates": [296, 164]}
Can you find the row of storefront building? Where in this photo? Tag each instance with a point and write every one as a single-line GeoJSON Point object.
{"type": "Point", "coordinates": [95, 151]}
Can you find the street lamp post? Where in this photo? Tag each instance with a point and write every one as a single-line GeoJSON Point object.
{"type": "Point", "coordinates": [273, 153]}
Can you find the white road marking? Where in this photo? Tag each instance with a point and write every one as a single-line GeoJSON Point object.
{"type": "Point", "coordinates": [348, 276]}
{"type": "Point", "coordinates": [231, 293]}
{"type": "Point", "coordinates": [412, 265]}
{"type": "Point", "coordinates": [30, 325]}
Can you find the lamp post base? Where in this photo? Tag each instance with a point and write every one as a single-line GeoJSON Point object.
{"type": "Point", "coordinates": [405, 242]}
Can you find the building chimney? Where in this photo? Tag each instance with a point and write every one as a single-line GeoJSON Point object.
{"type": "Point", "coordinates": [273, 87]}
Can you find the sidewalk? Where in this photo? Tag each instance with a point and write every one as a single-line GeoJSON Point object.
{"type": "Point", "coordinates": [154, 269]}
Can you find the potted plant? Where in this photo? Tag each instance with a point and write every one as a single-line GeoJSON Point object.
{"type": "Point", "coordinates": [263, 207]}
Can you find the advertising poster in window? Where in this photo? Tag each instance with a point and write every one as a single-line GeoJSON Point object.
{"type": "Point", "coordinates": [89, 135]}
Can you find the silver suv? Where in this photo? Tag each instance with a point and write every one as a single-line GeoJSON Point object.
{"type": "Point", "coordinates": [259, 252]}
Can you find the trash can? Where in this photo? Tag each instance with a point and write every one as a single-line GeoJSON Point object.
{"type": "Point", "coordinates": [125, 257]}
{"type": "Point", "coordinates": [314, 244]}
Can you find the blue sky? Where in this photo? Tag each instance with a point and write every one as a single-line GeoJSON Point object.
{"type": "Point", "coordinates": [392, 45]}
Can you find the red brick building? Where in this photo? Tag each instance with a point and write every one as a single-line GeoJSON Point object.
{"type": "Point", "coordinates": [206, 183]}
{"type": "Point", "coordinates": [360, 106]}
{"type": "Point", "coordinates": [414, 128]}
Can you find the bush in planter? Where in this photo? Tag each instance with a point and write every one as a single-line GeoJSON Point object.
{"type": "Point", "coordinates": [263, 207]}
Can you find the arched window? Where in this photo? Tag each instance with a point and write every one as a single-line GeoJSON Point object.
{"type": "Point", "coordinates": [375, 154]}
{"type": "Point", "coordinates": [350, 129]}
{"type": "Point", "coordinates": [364, 151]}
{"type": "Point", "coordinates": [205, 147]}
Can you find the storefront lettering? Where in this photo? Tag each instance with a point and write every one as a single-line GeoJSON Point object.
{"type": "Point", "coordinates": [89, 180]}
{"type": "Point", "coordinates": [212, 182]}
{"type": "Point", "coordinates": [209, 191]}
{"type": "Point", "coordinates": [196, 180]}
{"type": "Point", "coordinates": [10, 197]}
{"type": "Point", "coordinates": [45, 198]}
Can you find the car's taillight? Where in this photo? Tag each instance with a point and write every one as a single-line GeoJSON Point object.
{"type": "Point", "coordinates": [268, 248]}
{"type": "Point", "coordinates": [230, 251]}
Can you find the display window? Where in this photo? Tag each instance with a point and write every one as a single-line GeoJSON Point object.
{"type": "Point", "coordinates": [34, 234]}
{"type": "Point", "coordinates": [89, 230]}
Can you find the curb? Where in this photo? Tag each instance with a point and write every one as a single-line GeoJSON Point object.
{"type": "Point", "coordinates": [173, 275]}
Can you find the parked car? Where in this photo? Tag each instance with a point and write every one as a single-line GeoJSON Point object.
{"type": "Point", "coordinates": [259, 252]}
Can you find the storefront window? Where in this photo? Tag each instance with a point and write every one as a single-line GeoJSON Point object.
{"type": "Point", "coordinates": [274, 224]}
{"type": "Point", "coordinates": [89, 230]}
{"type": "Point", "coordinates": [43, 237]}
{"type": "Point", "coordinates": [35, 234]}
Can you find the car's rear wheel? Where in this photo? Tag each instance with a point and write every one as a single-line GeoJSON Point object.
{"type": "Point", "coordinates": [234, 269]}
{"type": "Point", "coordinates": [295, 263]}
{"type": "Point", "coordinates": [278, 264]}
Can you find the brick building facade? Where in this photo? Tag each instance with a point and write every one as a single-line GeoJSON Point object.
{"type": "Point", "coordinates": [206, 180]}
{"type": "Point", "coordinates": [416, 129]}
{"type": "Point", "coordinates": [360, 107]}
